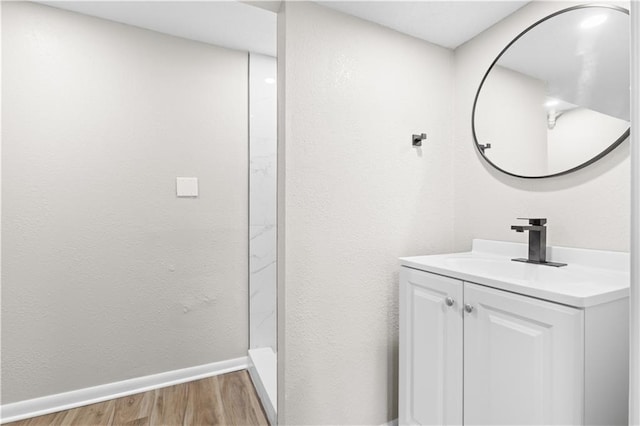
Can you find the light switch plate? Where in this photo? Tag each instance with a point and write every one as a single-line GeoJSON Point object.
{"type": "Point", "coordinates": [187, 186]}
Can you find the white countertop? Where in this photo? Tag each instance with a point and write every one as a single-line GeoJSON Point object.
{"type": "Point", "coordinates": [592, 277]}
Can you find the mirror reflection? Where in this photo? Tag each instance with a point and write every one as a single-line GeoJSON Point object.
{"type": "Point", "coordinates": [557, 98]}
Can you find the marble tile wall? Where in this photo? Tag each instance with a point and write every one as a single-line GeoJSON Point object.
{"type": "Point", "coordinates": [262, 201]}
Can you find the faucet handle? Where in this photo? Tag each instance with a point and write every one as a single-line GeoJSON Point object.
{"type": "Point", "coordinates": [536, 221]}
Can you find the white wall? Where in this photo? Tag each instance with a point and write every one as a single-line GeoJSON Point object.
{"type": "Point", "coordinates": [589, 208]}
{"type": "Point", "coordinates": [511, 117]}
{"type": "Point", "coordinates": [578, 137]}
{"type": "Point", "coordinates": [106, 274]}
{"type": "Point", "coordinates": [356, 196]}
{"type": "Point", "coordinates": [263, 136]}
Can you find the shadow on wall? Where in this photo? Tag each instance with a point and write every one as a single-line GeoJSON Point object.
{"type": "Point", "coordinates": [393, 348]}
{"type": "Point", "coordinates": [590, 173]}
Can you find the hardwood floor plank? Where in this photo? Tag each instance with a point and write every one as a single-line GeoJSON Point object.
{"type": "Point", "coordinates": [229, 399]}
{"type": "Point", "coordinates": [134, 409]}
{"type": "Point", "coordinates": [218, 398]}
{"type": "Point", "coordinates": [170, 405]}
{"type": "Point", "coordinates": [204, 404]}
{"type": "Point", "coordinates": [240, 400]}
{"type": "Point", "coordinates": [99, 414]}
{"type": "Point", "coordinates": [142, 421]}
{"type": "Point", "coordinates": [46, 420]}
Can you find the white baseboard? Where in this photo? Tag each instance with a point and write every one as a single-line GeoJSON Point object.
{"type": "Point", "coordinates": [77, 398]}
{"type": "Point", "coordinates": [263, 372]}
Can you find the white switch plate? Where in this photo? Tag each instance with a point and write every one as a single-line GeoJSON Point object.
{"type": "Point", "coordinates": [187, 186]}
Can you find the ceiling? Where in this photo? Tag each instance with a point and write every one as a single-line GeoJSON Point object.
{"type": "Point", "coordinates": [583, 66]}
{"type": "Point", "coordinates": [242, 26]}
{"type": "Point", "coordinates": [231, 24]}
{"type": "Point", "coordinates": [446, 23]}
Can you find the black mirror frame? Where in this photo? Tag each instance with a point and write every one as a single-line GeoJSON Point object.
{"type": "Point", "coordinates": [610, 148]}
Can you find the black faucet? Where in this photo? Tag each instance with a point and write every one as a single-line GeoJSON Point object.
{"type": "Point", "coordinates": [537, 241]}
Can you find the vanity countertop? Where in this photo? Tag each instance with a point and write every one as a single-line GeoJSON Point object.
{"type": "Point", "coordinates": [591, 277]}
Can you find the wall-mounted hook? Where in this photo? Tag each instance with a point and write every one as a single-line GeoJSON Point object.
{"type": "Point", "coordinates": [483, 147]}
{"type": "Point", "coordinates": [416, 140]}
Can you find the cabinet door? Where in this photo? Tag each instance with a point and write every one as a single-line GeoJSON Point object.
{"type": "Point", "coordinates": [430, 349]}
{"type": "Point", "coordinates": [523, 360]}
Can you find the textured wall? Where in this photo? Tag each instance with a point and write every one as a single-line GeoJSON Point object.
{"type": "Point", "coordinates": [577, 137]}
{"type": "Point", "coordinates": [106, 274]}
{"type": "Point", "coordinates": [589, 208]}
{"type": "Point", "coordinates": [511, 116]}
{"type": "Point", "coordinates": [356, 196]}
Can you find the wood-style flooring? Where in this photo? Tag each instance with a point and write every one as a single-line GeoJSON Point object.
{"type": "Point", "coordinates": [228, 399]}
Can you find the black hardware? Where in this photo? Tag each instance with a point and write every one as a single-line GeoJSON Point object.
{"type": "Point", "coordinates": [416, 140]}
{"type": "Point", "coordinates": [482, 147]}
{"type": "Point", "coordinates": [537, 241]}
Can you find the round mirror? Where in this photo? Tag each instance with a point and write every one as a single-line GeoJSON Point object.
{"type": "Point", "coordinates": [556, 99]}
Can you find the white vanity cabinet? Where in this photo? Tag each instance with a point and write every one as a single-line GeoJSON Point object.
{"type": "Point", "coordinates": [475, 355]}
{"type": "Point", "coordinates": [431, 336]}
{"type": "Point", "coordinates": [523, 360]}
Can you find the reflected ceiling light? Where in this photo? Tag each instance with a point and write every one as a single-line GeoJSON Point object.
{"type": "Point", "coordinates": [593, 21]}
{"type": "Point", "coordinates": [269, 80]}
{"type": "Point", "coordinates": [551, 102]}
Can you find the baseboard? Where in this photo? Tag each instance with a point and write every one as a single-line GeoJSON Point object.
{"type": "Point", "coordinates": [263, 372]}
{"type": "Point", "coordinates": [77, 398]}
